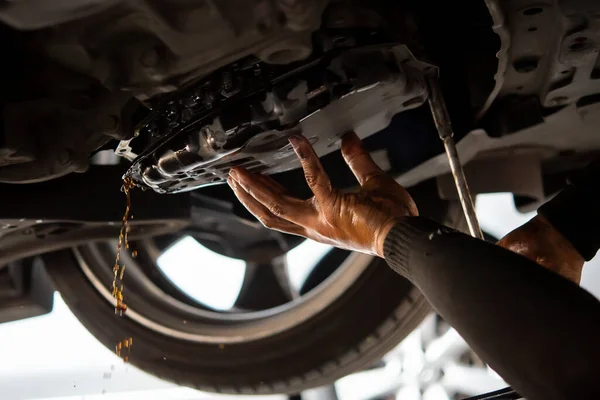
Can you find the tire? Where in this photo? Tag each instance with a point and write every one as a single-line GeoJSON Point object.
{"type": "Point", "coordinates": [376, 311]}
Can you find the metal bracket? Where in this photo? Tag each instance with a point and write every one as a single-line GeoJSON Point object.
{"type": "Point", "coordinates": [124, 150]}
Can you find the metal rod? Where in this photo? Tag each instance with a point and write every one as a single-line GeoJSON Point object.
{"type": "Point", "coordinates": [444, 127]}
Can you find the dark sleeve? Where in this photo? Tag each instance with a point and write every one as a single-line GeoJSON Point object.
{"type": "Point", "coordinates": [536, 329]}
{"type": "Point", "coordinates": [574, 212]}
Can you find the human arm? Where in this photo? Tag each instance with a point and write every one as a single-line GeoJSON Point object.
{"type": "Point", "coordinates": [565, 232]}
{"type": "Point", "coordinates": [537, 329]}
{"type": "Point", "coordinates": [540, 241]}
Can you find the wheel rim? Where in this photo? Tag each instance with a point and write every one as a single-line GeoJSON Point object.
{"type": "Point", "coordinates": [193, 269]}
{"type": "Point", "coordinates": [174, 313]}
{"type": "Point", "coordinates": [433, 362]}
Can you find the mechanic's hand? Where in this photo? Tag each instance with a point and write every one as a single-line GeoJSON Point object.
{"type": "Point", "coordinates": [541, 242]}
{"type": "Point", "coordinates": [353, 221]}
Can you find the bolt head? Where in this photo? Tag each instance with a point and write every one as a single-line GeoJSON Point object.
{"type": "Point", "coordinates": [215, 139]}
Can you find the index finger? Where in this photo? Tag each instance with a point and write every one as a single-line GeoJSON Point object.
{"type": "Point", "coordinates": [268, 193]}
{"type": "Point", "coordinates": [358, 159]}
{"type": "Point", "coordinates": [314, 173]}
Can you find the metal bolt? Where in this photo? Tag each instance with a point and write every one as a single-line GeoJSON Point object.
{"type": "Point", "coordinates": [208, 99]}
{"type": "Point", "coordinates": [227, 83]}
{"type": "Point", "coordinates": [193, 100]}
{"type": "Point", "coordinates": [153, 130]}
{"type": "Point", "coordinates": [215, 139]}
{"type": "Point", "coordinates": [171, 114]}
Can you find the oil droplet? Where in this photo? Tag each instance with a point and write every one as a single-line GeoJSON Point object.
{"type": "Point", "coordinates": [121, 346]}
{"type": "Point", "coordinates": [134, 254]}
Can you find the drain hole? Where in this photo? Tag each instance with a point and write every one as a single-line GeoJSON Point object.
{"type": "Point", "coordinates": [587, 100]}
{"type": "Point", "coordinates": [533, 11]}
{"type": "Point", "coordinates": [412, 102]}
{"type": "Point", "coordinates": [526, 64]}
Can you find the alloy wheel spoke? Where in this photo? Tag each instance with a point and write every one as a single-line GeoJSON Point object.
{"type": "Point", "coordinates": [323, 269]}
{"type": "Point", "coordinates": [446, 348]}
{"type": "Point", "coordinates": [265, 286]}
{"type": "Point", "coordinates": [435, 392]}
{"type": "Point", "coordinates": [469, 380]}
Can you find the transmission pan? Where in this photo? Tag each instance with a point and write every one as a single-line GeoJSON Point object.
{"type": "Point", "coordinates": [244, 115]}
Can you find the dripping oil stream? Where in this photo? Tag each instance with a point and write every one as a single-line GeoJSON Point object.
{"type": "Point", "coordinates": [119, 270]}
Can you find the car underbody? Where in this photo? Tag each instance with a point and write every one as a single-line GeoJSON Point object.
{"type": "Point", "coordinates": [173, 94]}
{"type": "Point", "coordinates": [188, 90]}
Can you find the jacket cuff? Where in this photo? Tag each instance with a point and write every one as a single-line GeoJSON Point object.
{"type": "Point", "coordinates": [403, 237]}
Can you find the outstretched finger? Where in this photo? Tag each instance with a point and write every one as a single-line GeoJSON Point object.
{"type": "Point", "coordinates": [314, 173]}
{"type": "Point", "coordinates": [270, 182]}
{"type": "Point", "coordinates": [267, 192]}
{"type": "Point", "coordinates": [358, 159]}
{"type": "Point", "coordinates": [262, 213]}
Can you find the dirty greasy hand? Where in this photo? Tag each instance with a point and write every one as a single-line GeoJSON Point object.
{"type": "Point", "coordinates": [356, 221]}
{"type": "Point", "coordinates": [539, 241]}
